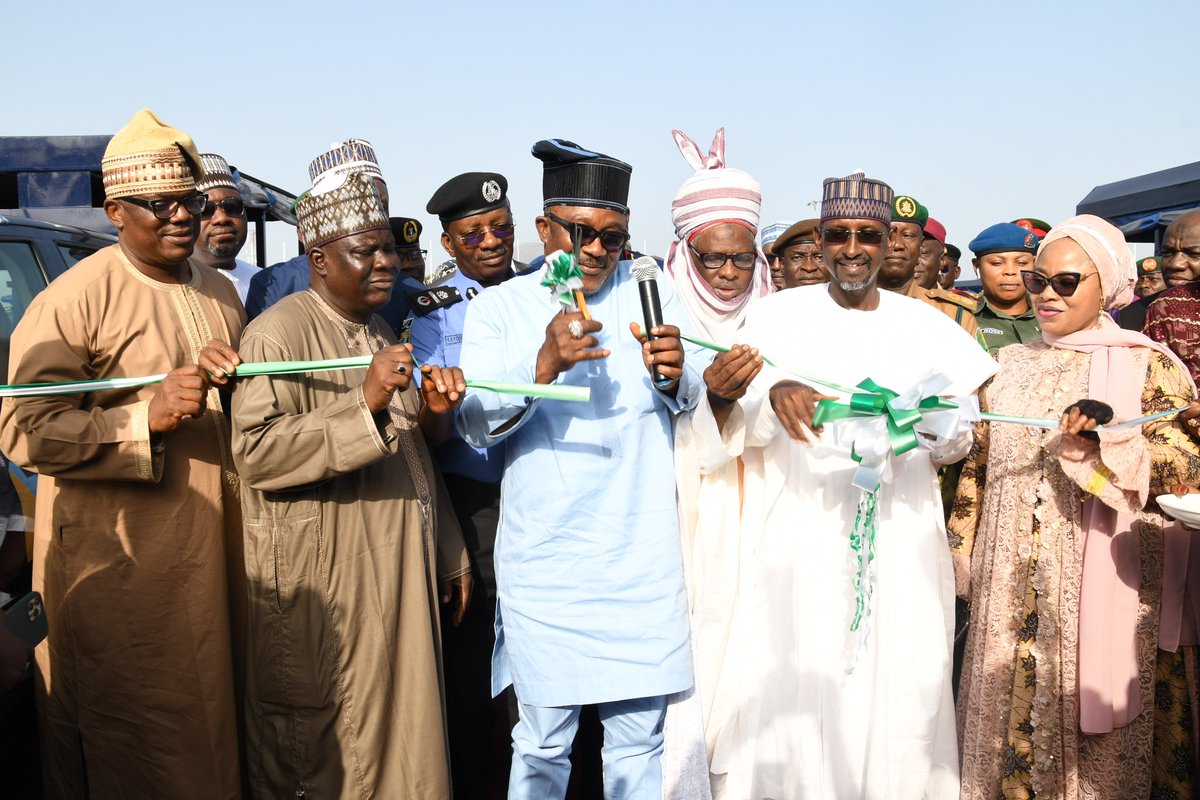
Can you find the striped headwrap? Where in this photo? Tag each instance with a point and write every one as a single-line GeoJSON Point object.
{"type": "Point", "coordinates": [713, 196]}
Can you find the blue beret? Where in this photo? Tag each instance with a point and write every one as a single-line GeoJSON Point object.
{"type": "Point", "coordinates": [1004, 237]}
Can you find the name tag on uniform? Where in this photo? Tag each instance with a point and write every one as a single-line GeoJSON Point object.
{"type": "Point", "coordinates": [991, 331]}
{"type": "Point", "coordinates": [454, 338]}
{"type": "Point", "coordinates": [432, 299]}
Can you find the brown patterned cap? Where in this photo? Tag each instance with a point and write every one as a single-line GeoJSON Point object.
{"type": "Point", "coordinates": [342, 211]}
{"type": "Point", "coordinates": [214, 173]}
{"type": "Point", "coordinates": [148, 156]}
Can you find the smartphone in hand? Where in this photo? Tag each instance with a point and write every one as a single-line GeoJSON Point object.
{"type": "Point", "coordinates": [25, 617]}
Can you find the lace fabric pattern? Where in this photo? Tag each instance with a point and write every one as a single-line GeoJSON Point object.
{"type": "Point", "coordinates": [1014, 497]}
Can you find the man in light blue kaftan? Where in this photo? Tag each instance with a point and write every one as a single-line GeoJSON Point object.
{"type": "Point", "coordinates": [591, 604]}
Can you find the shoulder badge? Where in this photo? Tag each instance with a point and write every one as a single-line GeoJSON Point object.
{"type": "Point", "coordinates": [432, 299]}
{"type": "Point", "coordinates": [957, 299]}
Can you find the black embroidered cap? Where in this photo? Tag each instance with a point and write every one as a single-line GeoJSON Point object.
{"type": "Point", "coordinates": [574, 176]}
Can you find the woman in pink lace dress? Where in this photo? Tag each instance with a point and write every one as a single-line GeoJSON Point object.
{"type": "Point", "coordinates": [1065, 693]}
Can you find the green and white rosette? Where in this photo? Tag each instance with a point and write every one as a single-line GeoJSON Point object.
{"type": "Point", "coordinates": [562, 276]}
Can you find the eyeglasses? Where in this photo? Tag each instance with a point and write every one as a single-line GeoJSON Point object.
{"type": "Point", "coordinates": [867, 236]}
{"type": "Point", "coordinates": [611, 241]}
{"type": "Point", "coordinates": [165, 208]}
{"type": "Point", "coordinates": [1064, 284]}
{"type": "Point", "coordinates": [232, 206]}
{"type": "Point", "coordinates": [743, 261]}
{"type": "Point", "coordinates": [414, 257]}
{"type": "Point", "coordinates": [475, 238]}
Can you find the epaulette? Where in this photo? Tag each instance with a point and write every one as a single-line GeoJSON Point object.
{"type": "Point", "coordinates": [957, 299]}
{"type": "Point", "coordinates": [433, 298]}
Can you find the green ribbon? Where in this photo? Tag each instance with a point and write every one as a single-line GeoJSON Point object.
{"type": "Point", "coordinates": [876, 400]}
{"type": "Point", "coordinates": [831, 411]}
{"type": "Point", "coordinates": [575, 394]}
{"type": "Point", "coordinates": [862, 543]}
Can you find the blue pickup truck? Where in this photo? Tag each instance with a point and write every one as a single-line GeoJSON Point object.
{"type": "Point", "coordinates": [33, 253]}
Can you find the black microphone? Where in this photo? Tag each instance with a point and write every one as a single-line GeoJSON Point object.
{"type": "Point", "coordinates": [645, 269]}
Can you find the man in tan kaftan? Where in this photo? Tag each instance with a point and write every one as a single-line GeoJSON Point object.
{"type": "Point", "coordinates": [137, 500]}
{"type": "Point", "coordinates": [345, 695]}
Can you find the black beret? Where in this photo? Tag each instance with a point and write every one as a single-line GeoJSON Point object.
{"type": "Point", "coordinates": [468, 194]}
{"type": "Point", "coordinates": [573, 176]}
{"type": "Point", "coordinates": [406, 231]}
{"type": "Point", "coordinates": [953, 252]}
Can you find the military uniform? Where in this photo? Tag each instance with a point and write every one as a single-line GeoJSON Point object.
{"type": "Point", "coordinates": [1000, 329]}
{"type": "Point", "coordinates": [958, 308]}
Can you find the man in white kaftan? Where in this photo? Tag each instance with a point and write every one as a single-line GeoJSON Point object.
{"type": "Point", "coordinates": [823, 711]}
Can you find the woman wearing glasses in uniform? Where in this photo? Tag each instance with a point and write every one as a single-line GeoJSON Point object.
{"type": "Point", "coordinates": [1065, 692]}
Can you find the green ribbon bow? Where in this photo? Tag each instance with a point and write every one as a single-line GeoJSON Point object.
{"type": "Point", "coordinates": [876, 400]}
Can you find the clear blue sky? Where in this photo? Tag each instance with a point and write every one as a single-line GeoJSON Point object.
{"type": "Point", "coordinates": [984, 112]}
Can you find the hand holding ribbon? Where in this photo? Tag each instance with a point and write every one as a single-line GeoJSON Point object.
{"type": "Point", "coordinates": [795, 405]}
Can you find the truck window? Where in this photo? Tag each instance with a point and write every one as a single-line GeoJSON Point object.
{"type": "Point", "coordinates": [74, 253]}
{"type": "Point", "coordinates": [20, 279]}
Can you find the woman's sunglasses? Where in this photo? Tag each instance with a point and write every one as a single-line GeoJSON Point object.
{"type": "Point", "coordinates": [1064, 284]}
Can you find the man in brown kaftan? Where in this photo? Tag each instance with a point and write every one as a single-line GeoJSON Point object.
{"type": "Point", "coordinates": [342, 504]}
{"type": "Point", "coordinates": [137, 503]}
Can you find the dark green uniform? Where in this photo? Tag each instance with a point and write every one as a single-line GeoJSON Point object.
{"type": "Point", "coordinates": [1001, 329]}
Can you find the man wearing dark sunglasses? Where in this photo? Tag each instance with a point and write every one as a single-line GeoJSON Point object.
{"type": "Point", "coordinates": [591, 605]}
{"type": "Point", "coordinates": [478, 232]}
{"type": "Point", "coordinates": [223, 223]}
{"type": "Point", "coordinates": [1004, 312]}
{"type": "Point", "coordinates": [144, 594]}
{"type": "Point", "coordinates": [826, 670]}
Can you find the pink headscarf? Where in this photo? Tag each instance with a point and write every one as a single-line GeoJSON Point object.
{"type": "Point", "coordinates": [1108, 602]}
{"type": "Point", "coordinates": [712, 196]}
